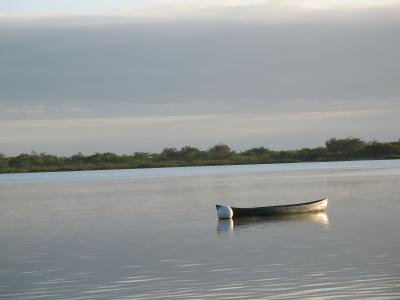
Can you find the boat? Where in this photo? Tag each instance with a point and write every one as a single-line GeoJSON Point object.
{"type": "Point", "coordinates": [228, 212]}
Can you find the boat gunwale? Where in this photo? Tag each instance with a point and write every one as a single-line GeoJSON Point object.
{"type": "Point", "coordinates": [276, 206]}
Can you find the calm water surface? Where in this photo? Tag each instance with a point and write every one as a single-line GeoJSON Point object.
{"type": "Point", "coordinates": [153, 234]}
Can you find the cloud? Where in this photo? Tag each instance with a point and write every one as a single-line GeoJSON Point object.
{"type": "Point", "coordinates": [269, 11]}
{"type": "Point", "coordinates": [241, 130]}
{"type": "Point", "coordinates": [191, 62]}
{"type": "Point", "coordinates": [105, 122]}
{"type": "Point", "coordinates": [284, 74]}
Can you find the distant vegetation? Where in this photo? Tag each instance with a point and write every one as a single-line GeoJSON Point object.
{"type": "Point", "coordinates": [221, 154]}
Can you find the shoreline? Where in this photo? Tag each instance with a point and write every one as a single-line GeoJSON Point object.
{"type": "Point", "coordinates": [186, 166]}
{"type": "Point", "coordinates": [348, 149]}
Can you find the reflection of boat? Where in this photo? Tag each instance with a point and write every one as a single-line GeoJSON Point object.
{"type": "Point", "coordinates": [317, 217]}
{"type": "Point", "coordinates": [229, 225]}
{"type": "Point", "coordinates": [227, 212]}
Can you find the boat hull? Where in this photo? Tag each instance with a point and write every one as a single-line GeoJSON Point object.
{"type": "Point", "coordinates": [227, 212]}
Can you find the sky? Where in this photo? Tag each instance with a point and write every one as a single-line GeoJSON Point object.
{"type": "Point", "coordinates": [124, 76]}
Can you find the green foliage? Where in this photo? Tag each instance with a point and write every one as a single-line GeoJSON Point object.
{"type": "Point", "coordinates": [190, 154]}
{"type": "Point", "coordinates": [377, 149]}
{"type": "Point", "coordinates": [219, 151]}
{"type": "Point", "coordinates": [168, 154]}
{"type": "Point", "coordinates": [3, 161]}
{"type": "Point", "coordinates": [316, 154]}
{"type": "Point", "coordinates": [345, 147]}
{"type": "Point", "coordinates": [141, 156]}
{"type": "Point", "coordinates": [257, 152]}
{"type": "Point", "coordinates": [220, 154]}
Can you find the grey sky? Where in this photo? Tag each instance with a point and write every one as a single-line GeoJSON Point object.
{"type": "Point", "coordinates": [123, 84]}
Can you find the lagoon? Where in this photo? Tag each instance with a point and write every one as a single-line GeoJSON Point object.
{"type": "Point", "coordinates": [154, 234]}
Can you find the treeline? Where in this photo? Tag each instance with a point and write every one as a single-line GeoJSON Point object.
{"type": "Point", "coordinates": [221, 154]}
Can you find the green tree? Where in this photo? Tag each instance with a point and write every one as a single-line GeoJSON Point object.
{"type": "Point", "coordinates": [348, 147]}
{"type": "Point", "coordinates": [3, 161]}
{"type": "Point", "coordinates": [79, 157]}
{"type": "Point", "coordinates": [260, 151]}
{"type": "Point", "coordinates": [168, 154]}
{"type": "Point", "coordinates": [141, 156]}
{"type": "Point", "coordinates": [314, 154]}
{"type": "Point", "coordinates": [376, 149]}
{"type": "Point", "coordinates": [189, 154]}
{"type": "Point", "coordinates": [220, 151]}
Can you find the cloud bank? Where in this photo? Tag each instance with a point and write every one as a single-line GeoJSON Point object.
{"type": "Point", "coordinates": [282, 74]}
{"type": "Point", "coordinates": [194, 10]}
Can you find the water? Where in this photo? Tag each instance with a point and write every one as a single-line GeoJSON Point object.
{"type": "Point", "coordinates": [153, 234]}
